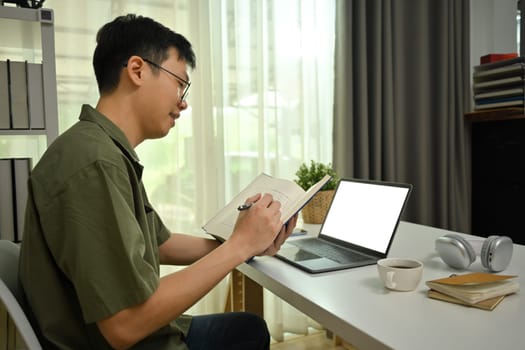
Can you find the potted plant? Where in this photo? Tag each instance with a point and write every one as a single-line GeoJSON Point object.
{"type": "Point", "coordinates": [307, 175]}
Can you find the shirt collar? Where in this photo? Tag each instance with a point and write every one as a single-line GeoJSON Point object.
{"type": "Point", "coordinates": [114, 132]}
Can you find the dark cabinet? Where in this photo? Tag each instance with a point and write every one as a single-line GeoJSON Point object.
{"type": "Point", "coordinates": [498, 178]}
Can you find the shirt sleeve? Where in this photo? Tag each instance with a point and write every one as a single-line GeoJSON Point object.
{"type": "Point", "coordinates": [104, 236]}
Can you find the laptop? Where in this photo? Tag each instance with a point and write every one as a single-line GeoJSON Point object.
{"type": "Point", "coordinates": [357, 231]}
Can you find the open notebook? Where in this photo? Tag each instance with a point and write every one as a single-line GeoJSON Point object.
{"type": "Point", "coordinates": [358, 229]}
{"type": "Point", "coordinates": [289, 193]}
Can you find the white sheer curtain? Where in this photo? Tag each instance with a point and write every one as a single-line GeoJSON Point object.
{"type": "Point", "coordinates": [261, 101]}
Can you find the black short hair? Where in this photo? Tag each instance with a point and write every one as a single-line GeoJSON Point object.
{"type": "Point", "coordinates": [130, 35]}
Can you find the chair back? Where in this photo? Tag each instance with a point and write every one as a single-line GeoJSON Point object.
{"type": "Point", "coordinates": [9, 253]}
{"type": "Point", "coordinates": [10, 293]}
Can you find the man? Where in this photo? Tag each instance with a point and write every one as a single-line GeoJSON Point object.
{"type": "Point", "coordinates": [89, 262]}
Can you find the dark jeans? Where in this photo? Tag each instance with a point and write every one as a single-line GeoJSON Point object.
{"type": "Point", "coordinates": [228, 331]}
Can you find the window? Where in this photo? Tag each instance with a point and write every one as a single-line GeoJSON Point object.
{"type": "Point", "coordinates": [261, 97]}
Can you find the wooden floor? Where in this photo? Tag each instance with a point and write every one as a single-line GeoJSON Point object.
{"type": "Point", "coordinates": [315, 341]}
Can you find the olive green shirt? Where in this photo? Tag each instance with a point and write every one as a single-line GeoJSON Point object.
{"type": "Point", "coordinates": [91, 238]}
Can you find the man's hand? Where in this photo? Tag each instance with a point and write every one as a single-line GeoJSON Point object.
{"type": "Point", "coordinates": [259, 226]}
{"type": "Point", "coordinates": [286, 231]}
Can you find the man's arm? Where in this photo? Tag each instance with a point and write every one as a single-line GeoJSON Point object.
{"type": "Point", "coordinates": [181, 249]}
{"type": "Point", "coordinates": [256, 230]}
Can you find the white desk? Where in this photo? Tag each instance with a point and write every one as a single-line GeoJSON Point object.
{"type": "Point", "coordinates": [355, 305]}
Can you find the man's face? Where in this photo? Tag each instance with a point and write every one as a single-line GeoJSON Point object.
{"type": "Point", "coordinates": [165, 87]}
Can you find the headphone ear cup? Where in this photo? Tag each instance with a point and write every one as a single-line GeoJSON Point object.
{"type": "Point", "coordinates": [455, 251]}
{"type": "Point", "coordinates": [484, 256]}
{"type": "Point", "coordinates": [496, 253]}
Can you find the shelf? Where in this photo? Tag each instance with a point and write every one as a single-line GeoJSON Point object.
{"type": "Point", "coordinates": [22, 132]}
{"type": "Point", "coordinates": [24, 14]}
{"type": "Point", "coordinates": [496, 114]}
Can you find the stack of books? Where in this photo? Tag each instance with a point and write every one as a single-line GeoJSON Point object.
{"type": "Point", "coordinates": [480, 290]}
{"type": "Point", "coordinates": [499, 84]}
{"type": "Point", "coordinates": [21, 95]}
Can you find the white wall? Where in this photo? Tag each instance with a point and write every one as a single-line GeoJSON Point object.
{"type": "Point", "coordinates": [492, 28]}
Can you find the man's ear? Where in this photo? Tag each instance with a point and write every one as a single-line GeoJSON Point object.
{"type": "Point", "coordinates": [135, 70]}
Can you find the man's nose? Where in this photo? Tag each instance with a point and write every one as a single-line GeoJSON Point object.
{"type": "Point", "coordinates": [183, 105]}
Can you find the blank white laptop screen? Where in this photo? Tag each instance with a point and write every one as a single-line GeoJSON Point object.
{"type": "Point", "coordinates": [364, 214]}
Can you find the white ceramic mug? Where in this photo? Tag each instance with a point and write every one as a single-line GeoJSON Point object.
{"type": "Point", "coordinates": [400, 274]}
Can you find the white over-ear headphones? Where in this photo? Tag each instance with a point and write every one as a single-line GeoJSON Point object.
{"type": "Point", "coordinates": [458, 252]}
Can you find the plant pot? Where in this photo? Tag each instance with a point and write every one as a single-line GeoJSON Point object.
{"type": "Point", "coordinates": [315, 211]}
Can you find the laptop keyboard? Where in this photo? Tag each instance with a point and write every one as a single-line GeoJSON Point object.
{"type": "Point", "coordinates": [329, 251]}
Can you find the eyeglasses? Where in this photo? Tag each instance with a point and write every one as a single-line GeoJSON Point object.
{"type": "Point", "coordinates": [186, 82]}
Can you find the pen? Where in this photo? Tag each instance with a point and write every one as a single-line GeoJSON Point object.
{"type": "Point", "coordinates": [244, 206]}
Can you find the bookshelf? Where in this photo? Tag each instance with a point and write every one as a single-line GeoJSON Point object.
{"type": "Point", "coordinates": [498, 172]}
{"type": "Point", "coordinates": [27, 36]}
{"type": "Point", "coordinates": [28, 106]}
{"type": "Point", "coordinates": [22, 45]}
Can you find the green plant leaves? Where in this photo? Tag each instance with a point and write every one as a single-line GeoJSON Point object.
{"type": "Point", "coordinates": [308, 175]}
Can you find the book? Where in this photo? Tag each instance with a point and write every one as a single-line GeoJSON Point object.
{"type": "Point", "coordinates": [516, 69]}
{"type": "Point", "coordinates": [7, 205]}
{"type": "Point", "coordinates": [498, 83]}
{"type": "Point", "coordinates": [487, 304]}
{"type": "Point", "coordinates": [5, 122]}
{"type": "Point", "coordinates": [500, 63]}
{"type": "Point", "coordinates": [21, 169]}
{"type": "Point", "coordinates": [3, 326]}
{"type": "Point", "coordinates": [35, 95]}
{"type": "Point", "coordinates": [484, 101]}
{"type": "Point", "coordinates": [292, 197]}
{"type": "Point", "coordinates": [18, 95]}
{"type": "Point", "coordinates": [499, 104]}
{"type": "Point", "coordinates": [499, 93]}
{"type": "Point", "coordinates": [473, 288]}
{"type": "Point", "coordinates": [495, 57]}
